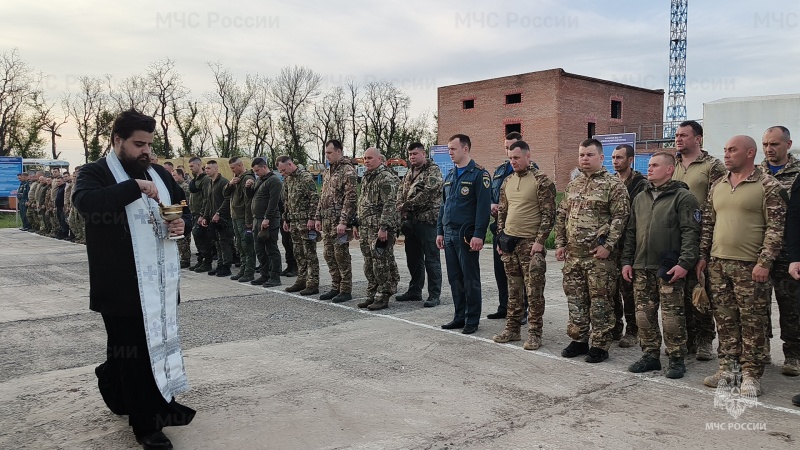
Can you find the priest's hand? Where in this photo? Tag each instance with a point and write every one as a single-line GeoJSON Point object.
{"type": "Point", "coordinates": [176, 227]}
{"type": "Point", "coordinates": [148, 188]}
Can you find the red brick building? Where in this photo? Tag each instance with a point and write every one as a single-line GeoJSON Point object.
{"type": "Point", "coordinates": [554, 110]}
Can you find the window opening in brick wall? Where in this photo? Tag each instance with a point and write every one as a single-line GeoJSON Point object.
{"type": "Point", "coordinates": [590, 130]}
{"type": "Point", "coordinates": [616, 109]}
{"type": "Point", "coordinates": [468, 104]}
{"type": "Point", "coordinates": [513, 98]}
{"type": "Point", "coordinates": [512, 127]}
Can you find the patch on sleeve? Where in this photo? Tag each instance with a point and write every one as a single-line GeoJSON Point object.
{"type": "Point", "coordinates": [698, 216]}
{"type": "Point", "coordinates": [486, 180]}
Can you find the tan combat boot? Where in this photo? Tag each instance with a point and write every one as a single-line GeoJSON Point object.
{"type": "Point", "coordinates": [298, 286]}
{"type": "Point", "coordinates": [507, 336]}
{"type": "Point", "coordinates": [380, 302]}
{"type": "Point", "coordinates": [791, 367]}
{"type": "Point", "coordinates": [704, 351]}
{"type": "Point", "coordinates": [534, 342]}
{"type": "Point", "coordinates": [713, 380]}
{"type": "Point", "coordinates": [751, 386]}
{"type": "Point", "coordinates": [366, 302]}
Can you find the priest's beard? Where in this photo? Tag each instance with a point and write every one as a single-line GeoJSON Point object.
{"type": "Point", "coordinates": [133, 165]}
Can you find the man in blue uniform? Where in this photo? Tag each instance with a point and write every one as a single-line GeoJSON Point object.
{"type": "Point", "coordinates": [461, 228]}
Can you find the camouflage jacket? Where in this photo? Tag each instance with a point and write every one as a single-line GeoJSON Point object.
{"type": "Point", "coordinates": [33, 194]}
{"type": "Point", "coordinates": [300, 197]}
{"type": "Point", "coordinates": [710, 168]}
{"type": "Point", "coordinates": [197, 197]}
{"type": "Point", "coordinates": [42, 195]}
{"type": "Point", "coordinates": [546, 194]}
{"type": "Point", "coordinates": [377, 204]}
{"type": "Point", "coordinates": [68, 197]}
{"type": "Point", "coordinates": [216, 200]}
{"type": "Point", "coordinates": [419, 197]}
{"type": "Point", "coordinates": [787, 174]}
{"type": "Point", "coordinates": [594, 212]}
{"type": "Point", "coordinates": [241, 205]}
{"type": "Point", "coordinates": [51, 197]}
{"type": "Point", "coordinates": [773, 210]}
{"type": "Point", "coordinates": [338, 197]}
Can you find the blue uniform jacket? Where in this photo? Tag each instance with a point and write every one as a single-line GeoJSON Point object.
{"type": "Point", "coordinates": [466, 199]}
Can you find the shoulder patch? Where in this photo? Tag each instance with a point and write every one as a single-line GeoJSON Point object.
{"type": "Point", "coordinates": [479, 167]}
{"type": "Point", "coordinates": [697, 215]}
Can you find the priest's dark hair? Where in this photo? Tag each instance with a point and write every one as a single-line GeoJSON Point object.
{"type": "Point", "coordinates": [129, 121]}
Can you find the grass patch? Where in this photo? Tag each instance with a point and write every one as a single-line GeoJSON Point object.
{"type": "Point", "coordinates": [8, 220]}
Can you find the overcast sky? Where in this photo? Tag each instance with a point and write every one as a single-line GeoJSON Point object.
{"type": "Point", "coordinates": [735, 48]}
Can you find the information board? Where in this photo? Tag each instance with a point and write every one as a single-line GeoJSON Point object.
{"type": "Point", "coordinates": [10, 167]}
{"type": "Point", "coordinates": [441, 156]}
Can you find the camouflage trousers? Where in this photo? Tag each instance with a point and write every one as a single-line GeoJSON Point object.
{"type": "Point", "coordinates": [44, 222]}
{"type": "Point", "coordinates": [305, 253]}
{"type": "Point", "coordinates": [33, 218]}
{"type": "Point", "coordinates": [380, 269]}
{"type": "Point", "coordinates": [526, 274]}
{"type": "Point", "coordinates": [77, 225]}
{"type": "Point", "coordinates": [786, 294]}
{"type": "Point", "coordinates": [185, 248]}
{"type": "Point", "coordinates": [650, 292]}
{"type": "Point", "coordinates": [55, 226]}
{"type": "Point", "coordinates": [699, 326]}
{"type": "Point", "coordinates": [741, 308]}
{"type": "Point", "coordinates": [337, 256]}
{"type": "Point", "coordinates": [589, 287]}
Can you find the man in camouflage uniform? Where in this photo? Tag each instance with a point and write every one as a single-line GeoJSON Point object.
{"type": "Point", "coordinates": [75, 219]}
{"type": "Point", "coordinates": [699, 171]}
{"type": "Point", "coordinates": [51, 205]}
{"type": "Point", "coordinates": [217, 219]}
{"type": "Point", "coordinates": [378, 223]}
{"type": "Point", "coordinates": [785, 167]}
{"type": "Point", "coordinates": [624, 305]}
{"type": "Point", "coordinates": [333, 217]}
{"type": "Point", "coordinates": [589, 224]}
{"type": "Point", "coordinates": [185, 244]}
{"type": "Point", "coordinates": [661, 246]}
{"type": "Point", "coordinates": [418, 201]}
{"type": "Point", "coordinates": [197, 204]}
{"type": "Point", "coordinates": [33, 206]}
{"type": "Point", "coordinates": [742, 235]}
{"type": "Point", "coordinates": [42, 197]}
{"type": "Point", "coordinates": [242, 216]}
{"type": "Point", "coordinates": [300, 198]}
{"type": "Point", "coordinates": [526, 213]}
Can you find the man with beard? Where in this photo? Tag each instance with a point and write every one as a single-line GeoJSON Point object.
{"type": "Point", "coordinates": [134, 276]}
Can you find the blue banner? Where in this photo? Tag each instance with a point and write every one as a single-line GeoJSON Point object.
{"type": "Point", "coordinates": [10, 167]}
{"type": "Point", "coordinates": [441, 156]}
{"type": "Point", "coordinates": [610, 142]}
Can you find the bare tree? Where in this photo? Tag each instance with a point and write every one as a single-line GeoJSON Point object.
{"type": "Point", "coordinates": [293, 90]}
{"type": "Point", "coordinates": [386, 113]}
{"type": "Point", "coordinates": [355, 112]}
{"type": "Point", "coordinates": [230, 101]}
{"type": "Point", "coordinates": [165, 87]}
{"type": "Point", "coordinates": [330, 118]}
{"type": "Point", "coordinates": [132, 92]}
{"type": "Point", "coordinates": [50, 123]}
{"type": "Point", "coordinates": [260, 119]}
{"type": "Point", "coordinates": [202, 142]}
{"type": "Point", "coordinates": [88, 109]}
{"type": "Point", "coordinates": [19, 87]}
{"type": "Point", "coordinates": [186, 122]}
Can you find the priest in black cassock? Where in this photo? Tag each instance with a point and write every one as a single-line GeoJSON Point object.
{"type": "Point", "coordinates": [134, 279]}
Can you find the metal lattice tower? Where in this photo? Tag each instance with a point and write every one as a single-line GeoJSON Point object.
{"type": "Point", "coordinates": [676, 99]}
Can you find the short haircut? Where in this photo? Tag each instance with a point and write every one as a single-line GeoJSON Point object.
{"type": "Point", "coordinates": [180, 172]}
{"type": "Point", "coordinates": [167, 163]}
{"type": "Point", "coordinates": [416, 145]}
{"type": "Point", "coordinates": [211, 162]}
{"type": "Point", "coordinates": [234, 160]}
{"type": "Point", "coordinates": [283, 159]}
{"type": "Point", "coordinates": [667, 155]}
{"type": "Point", "coordinates": [261, 162]}
{"type": "Point", "coordinates": [337, 144]}
{"type": "Point", "coordinates": [592, 143]}
{"type": "Point", "coordinates": [786, 136]}
{"type": "Point", "coordinates": [522, 145]}
{"type": "Point", "coordinates": [195, 159]}
{"type": "Point", "coordinates": [129, 121]}
{"type": "Point", "coordinates": [463, 139]}
{"type": "Point", "coordinates": [629, 152]}
{"type": "Point", "coordinates": [514, 135]}
{"type": "Point", "coordinates": [696, 127]}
